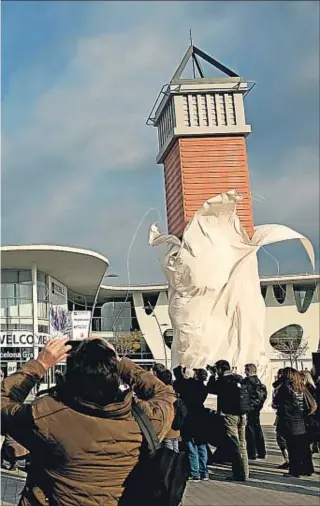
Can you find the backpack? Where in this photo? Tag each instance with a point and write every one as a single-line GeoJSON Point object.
{"type": "Point", "coordinates": [238, 396]}
{"type": "Point", "coordinates": [161, 475]}
{"type": "Point", "coordinates": [258, 397]}
{"type": "Point", "coordinates": [180, 414]}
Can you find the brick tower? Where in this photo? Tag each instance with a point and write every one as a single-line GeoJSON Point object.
{"type": "Point", "coordinates": [202, 131]}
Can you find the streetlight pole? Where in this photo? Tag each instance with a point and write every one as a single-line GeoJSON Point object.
{"type": "Point", "coordinates": [160, 330]}
{"type": "Point", "coordinates": [96, 297]}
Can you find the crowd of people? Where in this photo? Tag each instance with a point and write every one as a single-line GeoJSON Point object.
{"type": "Point", "coordinates": [83, 442]}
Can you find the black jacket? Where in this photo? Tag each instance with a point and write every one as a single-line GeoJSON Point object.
{"type": "Point", "coordinates": [291, 408]}
{"type": "Point", "coordinates": [193, 393]}
{"type": "Point", "coordinates": [257, 391]}
{"type": "Point", "coordinates": [221, 388]}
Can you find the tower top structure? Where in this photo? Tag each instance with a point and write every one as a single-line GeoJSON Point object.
{"type": "Point", "coordinates": [201, 132]}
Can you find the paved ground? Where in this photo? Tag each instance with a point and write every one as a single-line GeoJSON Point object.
{"type": "Point", "coordinates": [266, 487]}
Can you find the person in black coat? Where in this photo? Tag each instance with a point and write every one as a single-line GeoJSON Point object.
{"type": "Point", "coordinates": [256, 447]}
{"type": "Point", "coordinates": [193, 392]}
{"type": "Point", "coordinates": [290, 404]}
{"type": "Point", "coordinates": [313, 421]}
{"type": "Point", "coordinates": [281, 440]}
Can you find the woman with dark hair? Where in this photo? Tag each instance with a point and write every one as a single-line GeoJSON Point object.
{"type": "Point", "coordinates": [281, 440]}
{"type": "Point", "coordinates": [289, 400]}
{"type": "Point", "coordinates": [83, 438]}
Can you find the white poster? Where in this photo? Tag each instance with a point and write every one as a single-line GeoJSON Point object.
{"type": "Point", "coordinates": [11, 367]}
{"type": "Point", "coordinates": [80, 324]}
{"type": "Point", "coordinates": [22, 339]}
{"type": "Point", "coordinates": [58, 308]}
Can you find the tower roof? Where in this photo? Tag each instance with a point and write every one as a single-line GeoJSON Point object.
{"type": "Point", "coordinates": [195, 53]}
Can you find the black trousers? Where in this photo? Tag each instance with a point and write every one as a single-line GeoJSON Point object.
{"type": "Point", "coordinates": [300, 459]}
{"type": "Point", "coordinates": [254, 436]}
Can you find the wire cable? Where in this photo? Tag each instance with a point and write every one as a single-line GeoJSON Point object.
{"type": "Point", "coordinates": [128, 260]}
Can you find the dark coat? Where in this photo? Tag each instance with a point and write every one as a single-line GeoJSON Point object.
{"type": "Point", "coordinates": [257, 391]}
{"type": "Point", "coordinates": [194, 394]}
{"type": "Point", "coordinates": [81, 455]}
{"type": "Point", "coordinates": [291, 409]}
{"type": "Point", "coordinates": [221, 387]}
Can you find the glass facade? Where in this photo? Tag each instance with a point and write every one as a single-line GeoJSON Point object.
{"type": "Point", "coordinates": [17, 312]}
{"type": "Point", "coordinates": [16, 301]}
{"type": "Point", "coordinates": [116, 320]}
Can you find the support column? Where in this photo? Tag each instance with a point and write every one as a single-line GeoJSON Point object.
{"type": "Point", "coordinates": [35, 306]}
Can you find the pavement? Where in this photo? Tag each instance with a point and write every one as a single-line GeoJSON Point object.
{"type": "Point", "coordinates": [266, 487]}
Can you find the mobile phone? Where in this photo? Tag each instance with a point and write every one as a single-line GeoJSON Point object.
{"type": "Point", "coordinates": [74, 345]}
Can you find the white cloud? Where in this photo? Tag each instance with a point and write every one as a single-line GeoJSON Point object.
{"type": "Point", "coordinates": [290, 191]}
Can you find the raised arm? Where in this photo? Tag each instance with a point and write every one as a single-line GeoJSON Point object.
{"type": "Point", "coordinates": [213, 385]}
{"type": "Point", "coordinates": [16, 415]}
{"type": "Point", "coordinates": [155, 398]}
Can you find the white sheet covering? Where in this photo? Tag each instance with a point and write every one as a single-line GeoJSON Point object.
{"type": "Point", "coordinates": [215, 302]}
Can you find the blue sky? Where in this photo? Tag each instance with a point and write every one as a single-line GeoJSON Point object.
{"type": "Point", "coordinates": [78, 82]}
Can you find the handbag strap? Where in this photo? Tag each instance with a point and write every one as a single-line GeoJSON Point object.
{"type": "Point", "coordinates": [146, 428]}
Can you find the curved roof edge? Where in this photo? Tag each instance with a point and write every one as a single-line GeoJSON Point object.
{"type": "Point", "coordinates": [163, 286]}
{"type": "Point", "coordinates": [53, 247]}
{"type": "Point", "coordinates": [80, 270]}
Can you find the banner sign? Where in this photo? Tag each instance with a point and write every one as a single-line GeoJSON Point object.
{"type": "Point", "coordinates": [22, 339]}
{"type": "Point", "coordinates": [11, 367]}
{"type": "Point", "coordinates": [80, 324]}
{"type": "Point", "coordinates": [59, 325]}
{"type": "Point", "coordinates": [16, 354]}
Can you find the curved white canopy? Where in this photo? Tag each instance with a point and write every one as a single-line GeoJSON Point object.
{"type": "Point", "coordinates": [81, 270]}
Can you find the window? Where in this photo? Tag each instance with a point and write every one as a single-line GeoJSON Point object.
{"type": "Point", "coordinates": [168, 337]}
{"type": "Point", "coordinates": [150, 301]}
{"type": "Point", "coordinates": [263, 291]}
{"type": "Point", "coordinates": [287, 339]}
{"type": "Point", "coordinates": [279, 292]}
{"type": "Point", "coordinates": [116, 316]}
{"type": "Point", "coordinates": [17, 299]}
{"type": "Point", "coordinates": [303, 295]}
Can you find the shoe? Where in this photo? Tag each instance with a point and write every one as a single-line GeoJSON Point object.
{"type": "Point", "coordinates": [261, 457]}
{"type": "Point", "coordinates": [289, 475]}
{"type": "Point", "coordinates": [205, 478]}
{"type": "Point", "coordinates": [285, 465]}
{"type": "Point", "coordinates": [236, 478]}
{"type": "Point", "coordinates": [194, 479]}
{"type": "Point", "coordinates": [252, 458]}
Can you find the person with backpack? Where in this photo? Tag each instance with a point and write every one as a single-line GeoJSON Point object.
{"type": "Point", "coordinates": [233, 404]}
{"type": "Point", "coordinates": [256, 447]}
{"type": "Point", "coordinates": [172, 438]}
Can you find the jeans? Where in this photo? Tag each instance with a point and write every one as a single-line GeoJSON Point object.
{"type": "Point", "coordinates": [254, 436]}
{"type": "Point", "coordinates": [172, 444]}
{"type": "Point", "coordinates": [198, 459]}
{"type": "Point", "coordinates": [236, 445]}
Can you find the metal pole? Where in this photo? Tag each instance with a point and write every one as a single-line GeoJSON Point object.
{"type": "Point", "coordinates": [34, 308]}
{"type": "Point", "coordinates": [160, 329]}
{"type": "Point", "coordinates": [95, 301]}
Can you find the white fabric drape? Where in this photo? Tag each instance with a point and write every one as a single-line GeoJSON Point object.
{"type": "Point", "coordinates": [215, 302]}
